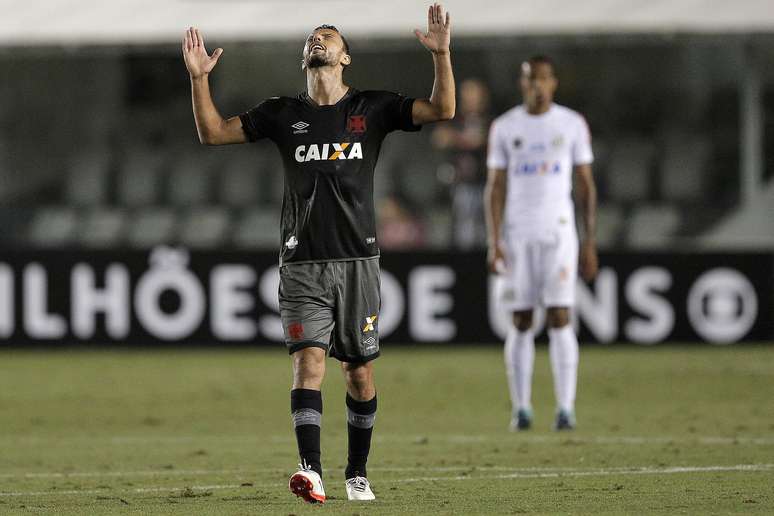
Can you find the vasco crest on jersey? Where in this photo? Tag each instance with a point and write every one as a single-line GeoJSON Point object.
{"type": "Point", "coordinates": [356, 124]}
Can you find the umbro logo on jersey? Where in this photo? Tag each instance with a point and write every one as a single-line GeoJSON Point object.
{"type": "Point", "coordinates": [329, 151]}
{"type": "Point", "coordinates": [300, 127]}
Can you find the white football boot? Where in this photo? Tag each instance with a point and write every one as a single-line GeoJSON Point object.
{"type": "Point", "coordinates": [307, 484]}
{"type": "Point", "coordinates": [358, 488]}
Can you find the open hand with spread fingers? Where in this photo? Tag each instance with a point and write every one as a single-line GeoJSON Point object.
{"type": "Point", "coordinates": [195, 55]}
{"type": "Point", "coordinates": [437, 37]}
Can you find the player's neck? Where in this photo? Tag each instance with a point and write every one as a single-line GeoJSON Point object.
{"type": "Point", "coordinates": [539, 109]}
{"type": "Point", "coordinates": [325, 85]}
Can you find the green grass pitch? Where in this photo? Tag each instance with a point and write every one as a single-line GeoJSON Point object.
{"type": "Point", "coordinates": [662, 430]}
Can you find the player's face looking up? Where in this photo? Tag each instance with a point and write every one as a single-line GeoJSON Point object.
{"type": "Point", "coordinates": [538, 85]}
{"type": "Point", "coordinates": [325, 47]}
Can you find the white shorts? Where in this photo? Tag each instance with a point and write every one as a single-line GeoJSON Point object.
{"type": "Point", "coordinates": [542, 270]}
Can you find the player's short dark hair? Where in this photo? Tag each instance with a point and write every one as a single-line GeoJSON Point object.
{"type": "Point", "coordinates": [541, 59]}
{"type": "Point", "coordinates": [333, 28]}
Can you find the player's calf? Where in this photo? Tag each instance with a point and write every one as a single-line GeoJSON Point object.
{"type": "Point", "coordinates": [306, 410]}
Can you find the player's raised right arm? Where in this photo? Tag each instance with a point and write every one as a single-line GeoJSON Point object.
{"type": "Point", "coordinates": [213, 129]}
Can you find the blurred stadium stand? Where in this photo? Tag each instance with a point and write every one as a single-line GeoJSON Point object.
{"type": "Point", "coordinates": [98, 148]}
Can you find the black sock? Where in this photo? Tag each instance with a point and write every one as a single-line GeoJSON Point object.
{"type": "Point", "coordinates": [306, 409]}
{"type": "Point", "coordinates": [360, 426]}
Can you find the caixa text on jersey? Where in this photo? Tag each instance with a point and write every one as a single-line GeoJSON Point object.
{"type": "Point", "coordinates": [329, 151]}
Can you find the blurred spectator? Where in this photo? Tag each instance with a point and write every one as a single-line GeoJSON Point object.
{"type": "Point", "coordinates": [464, 141]}
{"type": "Point", "coordinates": [398, 229]}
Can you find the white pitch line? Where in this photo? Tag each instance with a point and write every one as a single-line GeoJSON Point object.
{"type": "Point", "coordinates": [615, 440]}
{"type": "Point", "coordinates": [148, 473]}
{"type": "Point", "coordinates": [411, 439]}
{"type": "Point", "coordinates": [603, 473]}
{"type": "Point", "coordinates": [252, 471]}
{"type": "Point", "coordinates": [138, 490]}
{"type": "Point", "coordinates": [598, 472]}
{"type": "Point", "coordinates": [195, 488]}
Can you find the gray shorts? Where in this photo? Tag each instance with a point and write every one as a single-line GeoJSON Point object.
{"type": "Point", "coordinates": [333, 306]}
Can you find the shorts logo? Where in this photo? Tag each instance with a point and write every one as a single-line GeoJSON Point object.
{"type": "Point", "coordinates": [563, 274]}
{"type": "Point", "coordinates": [356, 124]}
{"type": "Point", "coordinates": [296, 331]}
{"type": "Point", "coordinates": [300, 127]}
{"type": "Point", "coordinates": [370, 344]}
{"type": "Point", "coordinates": [517, 143]}
{"type": "Point", "coordinates": [369, 324]}
{"type": "Point", "coordinates": [292, 242]}
{"type": "Point", "coordinates": [329, 151]}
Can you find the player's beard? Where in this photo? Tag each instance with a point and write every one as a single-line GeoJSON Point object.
{"type": "Point", "coordinates": [317, 60]}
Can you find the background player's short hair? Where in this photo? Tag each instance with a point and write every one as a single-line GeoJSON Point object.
{"type": "Point", "coordinates": [537, 59]}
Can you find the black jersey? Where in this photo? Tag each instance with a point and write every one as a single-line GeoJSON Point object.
{"type": "Point", "coordinates": [329, 154]}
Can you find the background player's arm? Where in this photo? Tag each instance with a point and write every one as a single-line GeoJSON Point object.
{"type": "Point", "coordinates": [441, 105]}
{"type": "Point", "coordinates": [586, 199]}
{"type": "Point", "coordinates": [494, 205]}
{"type": "Point", "coordinates": [213, 129]}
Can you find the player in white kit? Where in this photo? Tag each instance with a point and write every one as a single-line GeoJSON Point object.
{"type": "Point", "coordinates": [535, 151]}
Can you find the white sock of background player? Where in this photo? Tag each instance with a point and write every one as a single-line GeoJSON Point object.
{"type": "Point", "coordinates": [519, 361]}
{"type": "Point", "coordinates": [563, 349]}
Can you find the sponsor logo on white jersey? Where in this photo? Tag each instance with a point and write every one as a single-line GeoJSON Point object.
{"type": "Point", "coordinates": [329, 151]}
{"type": "Point", "coordinates": [539, 167]}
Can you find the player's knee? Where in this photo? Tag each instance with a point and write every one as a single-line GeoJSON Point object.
{"type": "Point", "coordinates": [558, 317]}
{"type": "Point", "coordinates": [308, 365]}
{"type": "Point", "coordinates": [359, 379]}
{"type": "Point", "coordinates": [357, 376]}
{"type": "Point", "coordinates": [522, 320]}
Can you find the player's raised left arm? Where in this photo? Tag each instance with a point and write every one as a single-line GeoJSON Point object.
{"type": "Point", "coordinates": [441, 104]}
{"type": "Point", "coordinates": [586, 198]}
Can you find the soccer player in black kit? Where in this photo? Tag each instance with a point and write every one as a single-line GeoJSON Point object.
{"type": "Point", "coordinates": [329, 137]}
